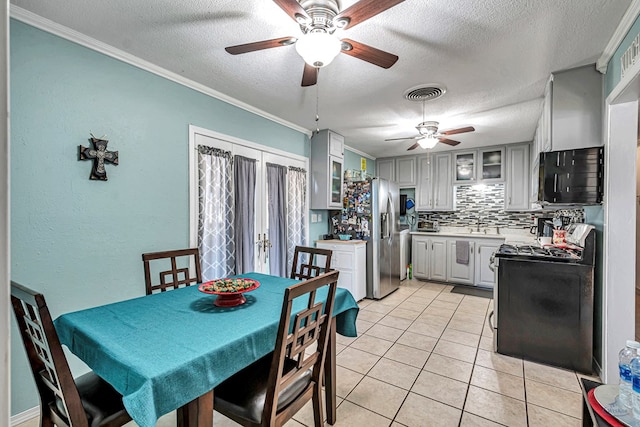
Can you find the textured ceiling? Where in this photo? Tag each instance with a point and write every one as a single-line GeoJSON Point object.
{"type": "Point", "coordinates": [493, 56]}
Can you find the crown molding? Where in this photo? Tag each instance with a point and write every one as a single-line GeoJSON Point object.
{"type": "Point", "coordinates": [66, 33]}
{"type": "Point", "coordinates": [361, 153]}
{"type": "Point", "coordinates": [624, 26]}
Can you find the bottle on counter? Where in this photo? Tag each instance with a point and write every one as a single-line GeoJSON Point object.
{"type": "Point", "coordinates": [635, 388]}
{"type": "Point", "coordinates": [626, 355]}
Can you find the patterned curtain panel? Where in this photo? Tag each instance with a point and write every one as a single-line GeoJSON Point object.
{"type": "Point", "coordinates": [296, 211]}
{"type": "Point", "coordinates": [277, 211]}
{"type": "Point", "coordinates": [244, 173]}
{"type": "Point", "coordinates": [215, 213]}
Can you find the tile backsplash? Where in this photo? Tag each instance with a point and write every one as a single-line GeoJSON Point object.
{"type": "Point", "coordinates": [485, 204]}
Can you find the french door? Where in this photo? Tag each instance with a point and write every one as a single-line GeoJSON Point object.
{"type": "Point", "coordinates": [261, 238]}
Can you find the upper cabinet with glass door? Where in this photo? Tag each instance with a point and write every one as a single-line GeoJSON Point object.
{"type": "Point", "coordinates": [327, 160]}
{"type": "Point", "coordinates": [491, 165]}
{"type": "Point", "coordinates": [464, 167]}
{"type": "Point", "coordinates": [479, 166]}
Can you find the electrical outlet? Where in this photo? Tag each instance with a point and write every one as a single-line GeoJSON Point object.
{"type": "Point", "coordinates": [314, 218]}
{"type": "Point", "coordinates": [319, 218]}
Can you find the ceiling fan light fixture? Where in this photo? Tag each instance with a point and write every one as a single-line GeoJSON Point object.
{"type": "Point", "coordinates": [428, 142]}
{"type": "Point", "coordinates": [318, 48]}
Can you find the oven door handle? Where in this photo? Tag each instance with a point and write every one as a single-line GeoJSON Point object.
{"type": "Point", "coordinates": [492, 262]}
{"type": "Point", "coordinates": [489, 320]}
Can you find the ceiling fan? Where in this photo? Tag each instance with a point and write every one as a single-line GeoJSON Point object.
{"type": "Point", "coordinates": [429, 135]}
{"type": "Point", "coordinates": [319, 20]}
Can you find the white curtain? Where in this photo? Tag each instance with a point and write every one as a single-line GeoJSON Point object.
{"type": "Point", "coordinates": [215, 216]}
{"type": "Point", "coordinates": [296, 211]}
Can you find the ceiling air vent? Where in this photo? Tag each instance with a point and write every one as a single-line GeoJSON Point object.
{"type": "Point", "coordinates": [425, 92]}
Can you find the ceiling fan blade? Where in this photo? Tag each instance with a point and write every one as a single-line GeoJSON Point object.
{"type": "Point", "coordinates": [403, 139]}
{"type": "Point", "coordinates": [294, 10]}
{"type": "Point", "coordinates": [264, 44]}
{"type": "Point", "coordinates": [363, 10]}
{"type": "Point", "coordinates": [309, 75]}
{"type": "Point", "coordinates": [450, 142]}
{"type": "Point", "coordinates": [413, 147]}
{"type": "Point", "coordinates": [367, 53]}
{"type": "Point", "coordinates": [456, 131]}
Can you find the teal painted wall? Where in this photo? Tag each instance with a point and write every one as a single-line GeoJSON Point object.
{"type": "Point", "coordinates": [79, 241]}
{"type": "Point", "coordinates": [612, 78]}
{"type": "Point", "coordinates": [351, 161]}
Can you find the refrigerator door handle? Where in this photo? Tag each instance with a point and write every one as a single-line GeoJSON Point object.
{"type": "Point", "coordinates": [393, 213]}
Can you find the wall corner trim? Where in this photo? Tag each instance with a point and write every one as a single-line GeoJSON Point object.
{"type": "Point", "coordinates": [66, 33]}
{"type": "Point", "coordinates": [620, 33]}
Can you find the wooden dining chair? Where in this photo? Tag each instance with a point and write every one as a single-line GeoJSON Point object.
{"type": "Point", "coordinates": [87, 401]}
{"type": "Point", "coordinates": [307, 262]}
{"type": "Point", "coordinates": [270, 391]}
{"type": "Point", "coordinates": [177, 274]}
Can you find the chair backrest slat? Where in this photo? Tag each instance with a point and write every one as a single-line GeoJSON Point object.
{"type": "Point", "coordinates": [308, 263]}
{"type": "Point", "coordinates": [171, 276]}
{"type": "Point", "coordinates": [46, 358]}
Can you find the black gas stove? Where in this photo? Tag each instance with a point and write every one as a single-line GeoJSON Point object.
{"type": "Point", "coordinates": [549, 253]}
{"type": "Point", "coordinates": [572, 253]}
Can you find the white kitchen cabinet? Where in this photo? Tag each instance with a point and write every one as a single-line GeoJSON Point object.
{"type": "Point", "coordinates": [464, 167]}
{"type": "Point", "coordinates": [406, 172]}
{"type": "Point", "coordinates": [429, 257]}
{"type": "Point", "coordinates": [575, 110]}
{"type": "Point", "coordinates": [458, 272]}
{"type": "Point", "coordinates": [424, 187]}
{"type": "Point", "coordinates": [405, 252]}
{"type": "Point", "coordinates": [442, 182]}
{"type": "Point", "coordinates": [484, 276]}
{"type": "Point", "coordinates": [399, 169]}
{"type": "Point", "coordinates": [349, 258]}
{"type": "Point", "coordinates": [434, 258]}
{"type": "Point", "coordinates": [420, 257]}
{"type": "Point", "coordinates": [434, 189]}
{"type": "Point", "coordinates": [326, 170]}
{"type": "Point", "coordinates": [518, 178]}
{"type": "Point", "coordinates": [491, 165]}
{"type": "Point", "coordinates": [385, 168]}
{"type": "Point", "coordinates": [438, 259]}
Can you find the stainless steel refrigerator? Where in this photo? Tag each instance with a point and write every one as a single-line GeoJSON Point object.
{"type": "Point", "coordinates": [383, 248]}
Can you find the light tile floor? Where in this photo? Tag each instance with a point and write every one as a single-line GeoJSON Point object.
{"type": "Point", "coordinates": [424, 357]}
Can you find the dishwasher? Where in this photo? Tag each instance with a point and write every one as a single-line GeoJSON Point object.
{"type": "Point", "coordinates": [543, 306]}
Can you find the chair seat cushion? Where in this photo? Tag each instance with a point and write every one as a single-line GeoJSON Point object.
{"type": "Point", "coordinates": [243, 394]}
{"type": "Point", "coordinates": [100, 400]}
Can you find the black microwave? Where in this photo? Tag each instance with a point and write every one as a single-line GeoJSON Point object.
{"type": "Point", "coordinates": [572, 176]}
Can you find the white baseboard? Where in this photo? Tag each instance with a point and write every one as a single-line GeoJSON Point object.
{"type": "Point", "coordinates": [25, 416]}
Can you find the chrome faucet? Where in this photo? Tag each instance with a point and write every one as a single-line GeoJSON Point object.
{"type": "Point", "coordinates": [478, 224]}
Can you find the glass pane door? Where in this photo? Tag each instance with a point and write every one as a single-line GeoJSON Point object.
{"type": "Point", "coordinates": [465, 167]}
{"type": "Point", "coordinates": [336, 182]}
{"type": "Point", "coordinates": [492, 164]}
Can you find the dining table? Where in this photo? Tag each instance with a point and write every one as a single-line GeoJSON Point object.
{"type": "Point", "coordinates": [167, 351]}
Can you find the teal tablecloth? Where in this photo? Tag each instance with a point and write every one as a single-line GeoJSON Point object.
{"type": "Point", "coordinates": [161, 351]}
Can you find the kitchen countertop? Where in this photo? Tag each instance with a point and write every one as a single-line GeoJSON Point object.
{"type": "Point", "coordinates": [342, 242]}
{"type": "Point", "coordinates": [511, 236]}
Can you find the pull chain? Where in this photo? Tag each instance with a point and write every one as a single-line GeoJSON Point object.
{"type": "Point", "coordinates": [317, 102]}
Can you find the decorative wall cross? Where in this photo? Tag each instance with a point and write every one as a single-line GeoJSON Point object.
{"type": "Point", "coordinates": [99, 155]}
